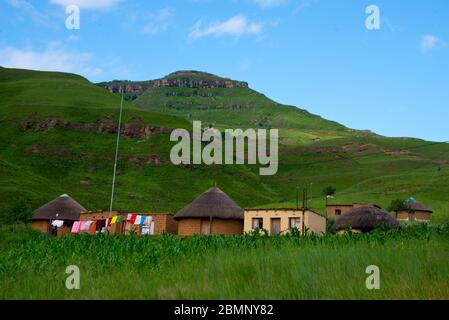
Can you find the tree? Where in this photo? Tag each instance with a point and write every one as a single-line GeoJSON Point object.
{"type": "Point", "coordinates": [329, 191]}
{"type": "Point", "coordinates": [18, 213]}
{"type": "Point", "coordinates": [398, 205]}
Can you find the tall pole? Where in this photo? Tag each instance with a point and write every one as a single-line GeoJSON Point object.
{"type": "Point", "coordinates": [116, 154]}
{"type": "Point", "coordinates": [297, 198]}
{"type": "Point", "coordinates": [311, 193]}
{"type": "Point", "coordinates": [303, 209]}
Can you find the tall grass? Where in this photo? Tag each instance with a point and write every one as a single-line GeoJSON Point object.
{"type": "Point", "coordinates": [414, 264]}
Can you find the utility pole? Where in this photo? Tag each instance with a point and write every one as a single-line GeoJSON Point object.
{"type": "Point", "coordinates": [303, 210]}
{"type": "Point", "coordinates": [311, 194]}
{"type": "Point", "coordinates": [297, 198]}
{"type": "Point", "coordinates": [116, 153]}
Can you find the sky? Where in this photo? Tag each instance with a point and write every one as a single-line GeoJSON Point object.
{"type": "Point", "coordinates": [314, 54]}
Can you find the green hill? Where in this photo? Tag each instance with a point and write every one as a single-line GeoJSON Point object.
{"type": "Point", "coordinates": [58, 136]}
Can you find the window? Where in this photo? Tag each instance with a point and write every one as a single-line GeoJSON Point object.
{"type": "Point", "coordinates": [257, 223]}
{"type": "Point", "coordinates": [294, 223]}
{"type": "Point", "coordinates": [337, 212]}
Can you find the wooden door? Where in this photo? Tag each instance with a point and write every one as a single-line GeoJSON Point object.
{"type": "Point", "coordinates": [275, 226]}
{"type": "Point", "coordinates": [205, 226]}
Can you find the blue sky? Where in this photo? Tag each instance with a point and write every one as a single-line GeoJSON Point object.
{"type": "Point", "coordinates": [314, 54]}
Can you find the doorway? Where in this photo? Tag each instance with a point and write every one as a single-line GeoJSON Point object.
{"type": "Point", "coordinates": [205, 226]}
{"type": "Point", "coordinates": [275, 228]}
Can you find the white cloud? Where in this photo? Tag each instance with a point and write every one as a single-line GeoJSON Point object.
{"type": "Point", "coordinates": [53, 58]}
{"type": "Point", "coordinates": [235, 26]}
{"type": "Point", "coordinates": [269, 3]}
{"type": "Point", "coordinates": [88, 4]}
{"type": "Point", "coordinates": [158, 22]}
{"type": "Point", "coordinates": [301, 6]}
{"type": "Point", "coordinates": [29, 9]}
{"type": "Point", "coordinates": [430, 42]}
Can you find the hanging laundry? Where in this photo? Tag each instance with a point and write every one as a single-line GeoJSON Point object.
{"type": "Point", "coordinates": [93, 226]}
{"type": "Point", "coordinates": [76, 226]}
{"type": "Point", "coordinates": [100, 225]}
{"type": "Point", "coordinates": [152, 228]}
{"type": "Point", "coordinates": [114, 220]}
{"type": "Point", "coordinates": [128, 217]}
{"type": "Point", "coordinates": [118, 219]}
{"type": "Point", "coordinates": [142, 220]}
{"type": "Point", "coordinates": [148, 220]}
{"type": "Point", "coordinates": [82, 224]}
{"type": "Point", "coordinates": [57, 223]}
{"type": "Point", "coordinates": [133, 219]}
{"type": "Point", "coordinates": [138, 218]}
{"type": "Point", "coordinates": [85, 225]}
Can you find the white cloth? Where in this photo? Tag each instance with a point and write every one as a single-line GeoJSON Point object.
{"type": "Point", "coordinates": [57, 223]}
{"type": "Point", "coordinates": [138, 220]}
{"type": "Point", "coordinates": [86, 226]}
{"type": "Point", "coordinates": [152, 228]}
{"type": "Point", "coordinates": [148, 220]}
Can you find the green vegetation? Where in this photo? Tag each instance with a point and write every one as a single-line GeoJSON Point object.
{"type": "Point", "coordinates": [398, 205]}
{"type": "Point", "coordinates": [413, 264]}
{"type": "Point", "coordinates": [328, 191]}
{"type": "Point", "coordinates": [39, 165]}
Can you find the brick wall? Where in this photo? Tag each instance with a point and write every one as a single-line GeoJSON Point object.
{"type": "Point", "coordinates": [188, 227]}
{"type": "Point", "coordinates": [41, 225]}
{"type": "Point", "coordinates": [330, 209]}
{"type": "Point", "coordinates": [227, 227]}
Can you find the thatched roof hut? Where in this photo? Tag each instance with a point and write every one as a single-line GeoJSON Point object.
{"type": "Point", "coordinates": [364, 219]}
{"type": "Point", "coordinates": [417, 206]}
{"type": "Point", "coordinates": [212, 203]}
{"type": "Point", "coordinates": [213, 212]}
{"type": "Point", "coordinates": [62, 208]}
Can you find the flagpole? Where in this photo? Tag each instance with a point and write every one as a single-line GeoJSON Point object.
{"type": "Point", "coordinates": [116, 154]}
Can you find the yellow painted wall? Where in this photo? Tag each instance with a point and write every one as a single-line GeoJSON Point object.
{"type": "Point", "coordinates": [314, 222]}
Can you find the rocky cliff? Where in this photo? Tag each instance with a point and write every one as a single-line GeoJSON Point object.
{"type": "Point", "coordinates": [179, 79]}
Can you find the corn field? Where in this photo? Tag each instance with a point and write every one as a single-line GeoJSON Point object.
{"type": "Point", "coordinates": [414, 262]}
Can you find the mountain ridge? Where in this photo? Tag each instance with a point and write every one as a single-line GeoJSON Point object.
{"type": "Point", "coordinates": [56, 138]}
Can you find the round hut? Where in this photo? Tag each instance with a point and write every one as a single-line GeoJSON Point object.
{"type": "Point", "coordinates": [213, 212]}
{"type": "Point", "coordinates": [364, 219]}
{"type": "Point", "coordinates": [62, 208]}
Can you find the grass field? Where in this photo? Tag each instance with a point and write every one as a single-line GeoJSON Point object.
{"type": "Point", "coordinates": [413, 264]}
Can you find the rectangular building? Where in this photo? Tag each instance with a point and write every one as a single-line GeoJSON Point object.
{"type": "Point", "coordinates": [280, 221]}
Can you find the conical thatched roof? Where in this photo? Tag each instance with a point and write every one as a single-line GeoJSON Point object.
{"type": "Point", "coordinates": [61, 208]}
{"type": "Point", "coordinates": [212, 203]}
{"type": "Point", "coordinates": [417, 206]}
{"type": "Point", "coordinates": [365, 218]}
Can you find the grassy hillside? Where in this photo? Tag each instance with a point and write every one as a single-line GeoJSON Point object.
{"type": "Point", "coordinates": [58, 137]}
{"type": "Point", "coordinates": [315, 152]}
{"type": "Point", "coordinates": [75, 157]}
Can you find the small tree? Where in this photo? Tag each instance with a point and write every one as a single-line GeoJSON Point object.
{"type": "Point", "coordinates": [398, 205]}
{"type": "Point", "coordinates": [329, 191]}
{"type": "Point", "coordinates": [18, 213]}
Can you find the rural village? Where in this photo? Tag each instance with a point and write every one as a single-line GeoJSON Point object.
{"type": "Point", "coordinates": [215, 213]}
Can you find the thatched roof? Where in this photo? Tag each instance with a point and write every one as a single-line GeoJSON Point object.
{"type": "Point", "coordinates": [416, 206]}
{"type": "Point", "coordinates": [212, 203]}
{"type": "Point", "coordinates": [61, 208]}
{"type": "Point", "coordinates": [365, 218]}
